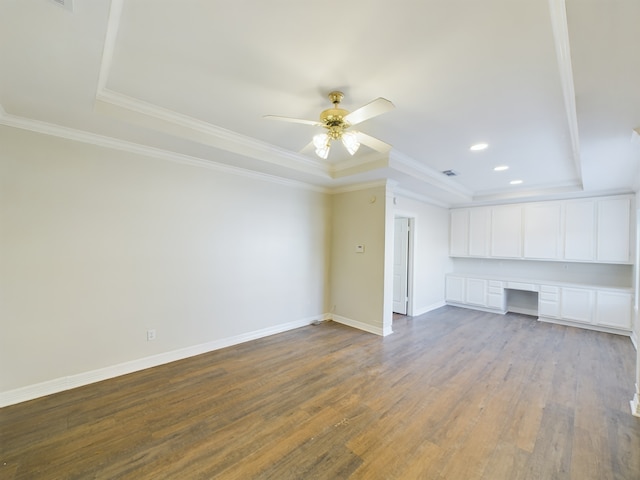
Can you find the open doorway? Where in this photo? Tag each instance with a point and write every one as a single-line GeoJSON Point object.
{"type": "Point", "coordinates": [402, 254]}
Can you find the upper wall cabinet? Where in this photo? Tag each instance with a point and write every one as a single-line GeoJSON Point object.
{"type": "Point", "coordinates": [613, 228]}
{"type": "Point", "coordinates": [543, 231]}
{"type": "Point", "coordinates": [581, 230]}
{"type": "Point", "coordinates": [506, 231]}
{"type": "Point", "coordinates": [479, 233]}
{"type": "Point", "coordinates": [470, 234]}
{"type": "Point", "coordinates": [459, 233]}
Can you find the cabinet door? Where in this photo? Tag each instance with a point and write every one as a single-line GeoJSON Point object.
{"type": "Point", "coordinates": [479, 222]}
{"type": "Point", "coordinates": [459, 233]}
{"type": "Point", "coordinates": [576, 304]}
{"type": "Point", "coordinates": [506, 231]}
{"type": "Point", "coordinates": [579, 230]}
{"type": "Point", "coordinates": [476, 292]}
{"type": "Point", "coordinates": [613, 309]}
{"type": "Point", "coordinates": [542, 231]}
{"type": "Point", "coordinates": [613, 230]}
{"type": "Point", "coordinates": [454, 289]}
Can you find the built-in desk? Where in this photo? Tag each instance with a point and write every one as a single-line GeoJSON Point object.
{"type": "Point", "coordinates": [594, 307]}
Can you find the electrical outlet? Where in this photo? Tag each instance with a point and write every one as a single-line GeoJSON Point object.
{"type": "Point", "coordinates": [151, 335]}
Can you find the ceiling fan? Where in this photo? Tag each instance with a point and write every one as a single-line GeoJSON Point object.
{"type": "Point", "coordinates": [337, 121]}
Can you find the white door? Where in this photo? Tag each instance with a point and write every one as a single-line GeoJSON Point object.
{"type": "Point", "coordinates": [400, 265]}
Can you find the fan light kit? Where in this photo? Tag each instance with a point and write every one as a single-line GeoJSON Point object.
{"type": "Point", "coordinates": [336, 121]}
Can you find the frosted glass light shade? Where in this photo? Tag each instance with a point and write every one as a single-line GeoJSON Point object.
{"type": "Point", "coordinates": [350, 142]}
{"type": "Point", "coordinates": [321, 142]}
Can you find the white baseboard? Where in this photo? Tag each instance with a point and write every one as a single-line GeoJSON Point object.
{"type": "Point", "coordinates": [585, 326]}
{"type": "Point", "coordinates": [429, 308]}
{"type": "Point", "coordinates": [635, 404]}
{"type": "Point", "coordinates": [361, 325]}
{"type": "Point", "coordinates": [18, 395]}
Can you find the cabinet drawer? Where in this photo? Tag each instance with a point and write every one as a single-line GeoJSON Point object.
{"type": "Point", "coordinates": [549, 289]}
{"type": "Point", "coordinates": [495, 283]}
{"type": "Point", "coordinates": [528, 287]}
{"type": "Point", "coordinates": [496, 290]}
{"type": "Point", "coordinates": [551, 297]}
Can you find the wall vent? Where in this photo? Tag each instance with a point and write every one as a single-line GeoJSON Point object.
{"type": "Point", "coordinates": [68, 4]}
{"type": "Point", "coordinates": [449, 173]}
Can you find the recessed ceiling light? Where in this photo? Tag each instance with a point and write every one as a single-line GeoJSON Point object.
{"type": "Point", "coordinates": [501, 168]}
{"type": "Point", "coordinates": [515, 182]}
{"type": "Point", "coordinates": [478, 146]}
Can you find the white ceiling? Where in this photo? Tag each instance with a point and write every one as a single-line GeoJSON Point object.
{"type": "Point", "coordinates": [553, 86]}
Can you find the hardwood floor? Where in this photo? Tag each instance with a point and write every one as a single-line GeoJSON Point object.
{"type": "Point", "coordinates": [453, 394]}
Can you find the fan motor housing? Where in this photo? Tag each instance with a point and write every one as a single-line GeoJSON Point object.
{"type": "Point", "coordinates": [334, 117]}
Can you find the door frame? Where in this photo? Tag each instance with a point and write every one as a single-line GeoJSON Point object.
{"type": "Point", "coordinates": [410, 256]}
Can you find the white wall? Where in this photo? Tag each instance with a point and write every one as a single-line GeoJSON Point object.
{"type": "Point", "coordinates": [430, 250]}
{"type": "Point", "coordinates": [598, 274]}
{"type": "Point", "coordinates": [99, 245]}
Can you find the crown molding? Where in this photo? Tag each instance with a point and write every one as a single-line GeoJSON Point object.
{"type": "Point", "coordinates": [558, 14]}
{"type": "Point", "coordinates": [401, 192]}
{"type": "Point", "coordinates": [144, 150]}
{"type": "Point", "coordinates": [133, 110]}
{"type": "Point", "coordinates": [359, 186]}
{"type": "Point", "coordinates": [357, 161]}
{"type": "Point", "coordinates": [113, 26]}
{"type": "Point", "coordinates": [542, 190]}
{"type": "Point", "coordinates": [407, 165]}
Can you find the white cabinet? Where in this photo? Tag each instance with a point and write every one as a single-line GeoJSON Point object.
{"type": "Point", "coordinates": [579, 230]}
{"type": "Point", "coordinates": [599, 308]}
{"type": "Point", "coordinates": [576, 304]}
{"type": "Point", "coordinates": [495, 295]}
{"type": "Point", "coordinates": [613, 224]}
{"type": "Point", "coordinates": [455, 289]}
{"type": "Point", "coordinates": [506, 231]}
{"type": "Point", "coordinates": [469, 232]}
{"type": "Point", "coordinates": [476, 292]}
{"type": "Point", "coordinates": [466, 290]}
{"type": "Point", "coordinates": [582, 230]}
{"type": "Point", "coordinates": [594, 306]}
{"type": "Point", "coordinates": [613, 309]}
{"type": "Point", "coordinates": [459, 233]}
{"type": "Point", "coordinates": [543, 231]}
{"type": "Point", "coordinates": [479, 222]}
{"type": "Point", "coordinates": [549, 301]}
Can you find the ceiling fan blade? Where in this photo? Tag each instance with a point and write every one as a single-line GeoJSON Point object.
{"type": "Point", "coordinates": [308, 148]}
{"type": "Point", "coordinates": [370, 110]}
{"type": "Point", "coordinates": [315, 123]}
{"type": "Point", "coordinates": [372, 142]}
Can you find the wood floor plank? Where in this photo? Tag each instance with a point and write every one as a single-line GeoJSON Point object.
{"type": "Point", "coordinates": [452, 394]}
